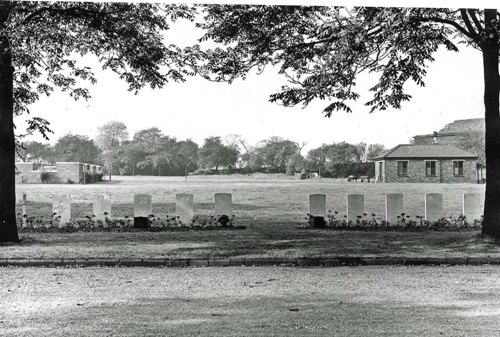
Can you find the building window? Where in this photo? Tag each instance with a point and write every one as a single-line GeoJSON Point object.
{"type": "Point", "coordinates": [458, 167]}
{"type": "Point", "coordinates": [403, 168]}
{"type": "Point", "coordinates": [430, 168]}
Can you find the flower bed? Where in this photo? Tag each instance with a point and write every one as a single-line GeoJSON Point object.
{"type": "Point", "coordinates": [405, 223]}
{"type": "Point", "coordinates": [155, 224]}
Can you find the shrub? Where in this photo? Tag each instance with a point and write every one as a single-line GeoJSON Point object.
{"type": "Point", "coordinates": [91, 224]}
{"type": "Point", "coordinates": [404, 223]}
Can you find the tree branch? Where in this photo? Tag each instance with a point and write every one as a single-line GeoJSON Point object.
{"type": "Point", "coordinates": [475, 20]}
{"type": "Point", "coordinates": [448, 22]}
{"type": "Point", "coordinates": [69, 10]}
{"type": "Point", "coordinates": [468, 24]}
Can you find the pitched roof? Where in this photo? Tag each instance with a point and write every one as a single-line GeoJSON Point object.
{"type": "Point", "coordinates": [425, 151]}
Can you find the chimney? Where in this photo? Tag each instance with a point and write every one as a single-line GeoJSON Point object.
{"type": "Point", "coordinates": [435, 140]}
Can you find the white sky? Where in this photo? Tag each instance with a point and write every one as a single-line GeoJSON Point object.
{"type": "Point", "coordinates": [198, 108]}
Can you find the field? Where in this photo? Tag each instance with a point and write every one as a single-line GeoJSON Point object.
{"type": "Point", "coordinates": [258, 199]}
{"type": "Point", "coordinates": [258, 301]}
{"type": "Point", "coordinates": [269, 206]}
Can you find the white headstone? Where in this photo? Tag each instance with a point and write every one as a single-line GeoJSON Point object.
{"type": "Point", "coordinates": [61, 206]}
{"type": "Point", "coordinates": [184, 207]}
{"type": "Point", "coordinates": [102, 204]}
{"type": "Point", "coordinates": [317, 205]}
{"type": "Point", "coordinates": [142, 205]}
{"type": "Point", "coordinates": [223, 204]}
{"type": "Point", "coordinates": [355, 206]}
{"type": "Point", "coordinates": [433, 206]}
{"type": "Point", "coordinates": [472, 206]}
{"type": "Point", "coordinates": [393, 207]}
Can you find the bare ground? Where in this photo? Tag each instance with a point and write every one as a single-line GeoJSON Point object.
{"type": "Point", "coordinates": [359, 301]}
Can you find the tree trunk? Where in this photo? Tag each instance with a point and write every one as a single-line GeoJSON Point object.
{"type": "Point", "coordinates": [186, 172]}
{"type": "Point", "coordinates": [490, 49]}
{"type": "Point", "coordinates": [8, 227]}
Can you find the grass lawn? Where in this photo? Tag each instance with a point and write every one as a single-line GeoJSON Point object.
{"type": "Point", "coordinates": [250, 243]}
{"type": "Point", "coordinates": [269, 206]}
{"type": "Point", "coordinates": [359, 301]}
{"type": "Point", "coordinates": [256, 198]}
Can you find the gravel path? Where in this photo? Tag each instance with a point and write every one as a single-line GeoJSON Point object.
{"type": "Point", "coordinates": [266, 301]}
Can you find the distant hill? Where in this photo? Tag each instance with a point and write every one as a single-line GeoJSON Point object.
{"type": "Point", "coordinates": [465, 134]}
{"type": "Point", "coordinates": [464, 125]}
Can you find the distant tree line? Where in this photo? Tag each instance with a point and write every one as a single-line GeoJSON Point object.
{"type": "Point", "coordinates": [150, 152]}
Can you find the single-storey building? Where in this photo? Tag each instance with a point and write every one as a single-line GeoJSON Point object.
{"type": "Point", "coordinates": [434, 163]}
{"type": "Point", "coordinates": [60, 173]}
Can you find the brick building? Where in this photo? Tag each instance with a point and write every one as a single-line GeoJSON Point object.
{"type": "Point", "coordinates": [426, 164]}
{"type": "Point", "coordinates": [60, 173]}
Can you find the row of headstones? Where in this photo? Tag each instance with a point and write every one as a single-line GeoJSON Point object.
{"type": "Point", "coordinates": [61, 206]}
{"type": "Point", "coordinates": [471, 206]}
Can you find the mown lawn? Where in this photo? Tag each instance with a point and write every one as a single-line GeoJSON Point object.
{"type": "Point", "coordinates": [250, 243]}
{"type": "Point", "coordinates": [269, 206]}
{"type": "Point", "coordinates": [288, 302]}
{"type": "Point", "coordinates": [257, 198]}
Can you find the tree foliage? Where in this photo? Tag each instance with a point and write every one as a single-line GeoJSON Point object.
{"type": "Point", "coordinates": [76, 148]}
{"type": "Point", "coordinates": [214, 154]}
{"type": "Point", "coordinates": [321, 50]}
{"type": "Point", "coordinates": [36, 152]}
{"type": "Point", "coordinates": [110, 138]}
{"type": "Point", "coordinates": [46, 37]}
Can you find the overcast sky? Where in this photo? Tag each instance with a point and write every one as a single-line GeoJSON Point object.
{"type": "Point", "coordinates": [197, 108]}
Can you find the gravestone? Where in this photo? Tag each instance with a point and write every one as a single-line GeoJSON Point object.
{"type": "Point", "coordinates": [433, 206]}
{"type": "Point", "coordinates": [355, 206]}
{"type": "Point", "coordinates": [102, 204]}
{"type": "Point", "coordinates": [393, 207]}
{"type": "Point", "coordinates": [24, 210]}
{"type": "Point", "coordinates": [223, 204]}
{"type": "Point", "coordinates": [142, 205]}
{"type": "Point", "coordinates": [61, 206]}
{"type": "Point", "coordinates": [471, 203]}
{"type": "Point", "coordinates": [184, 207]}
{"type": "Point", "coordinates": [142, 210]}
{"type": "Point", "coordinates": [317, 209]}
{"type": "Point", "coordinates": [317, 205]}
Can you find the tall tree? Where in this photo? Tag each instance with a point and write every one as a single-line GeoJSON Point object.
{"type": "Point", "coordinates": [322, 50]}
{"type": "Point", "coordinates": [109, 139]}
{"type": "Point", "coordinates": [187, 155]}
{"type": "Point", "coordinates": [214, 153]}
{"type": "Point", "coordinates": [275, 152]}
{"type": "Point", "coordinates": [37, 152]}
{"type": "Point", "coordinates": [158, 149]}
{"type": "Point", "coordinates": [76, 148]}
{"type": "Point", "coordinates": [374, 150]}
{"type": "Point", "coordinates": [39, 47]}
